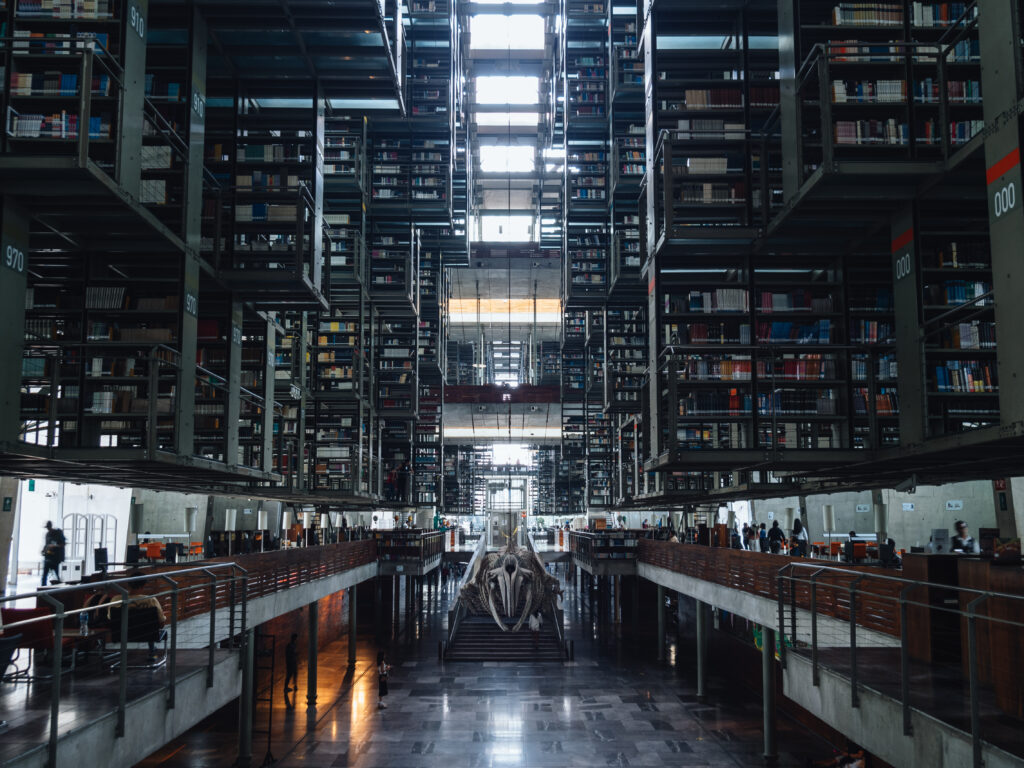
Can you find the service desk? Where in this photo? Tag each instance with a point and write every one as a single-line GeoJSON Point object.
{"type": "Point", "coordinates": [1000, 647]}
{"type": "Point", "coordinates": [933, 622]}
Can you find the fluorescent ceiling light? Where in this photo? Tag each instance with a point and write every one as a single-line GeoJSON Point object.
{"type": "Point", "coordinates": [507, 119]}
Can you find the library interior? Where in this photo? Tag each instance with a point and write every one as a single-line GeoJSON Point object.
{"type": "Point", "coordinates": [584, 382]}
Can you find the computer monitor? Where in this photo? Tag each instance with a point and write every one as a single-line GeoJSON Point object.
{"type": "Point", "coordinates": [940, 541]}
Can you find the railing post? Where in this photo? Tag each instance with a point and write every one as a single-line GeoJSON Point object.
{"type": "Point", "coordinates": [231, 611]}
{"type": "Point", "coordinates": [122, 686]}
{"type": "Point", "coordinates": [58, 645]}
{"type": "Point", "coordinates": [972, 650]}
{"type": "Point", "coordinates": [815, 676]}
{"type": "Point", "coordinates": [213, 626]}
{"type": "Point", "coordinates": [173, 653]}
{"type": "Point", "coordinates": [782, 616]}
{"type": "Point", "coordinates": [908, 728]}
{"type": "Point", "coordinates": [854, 699]}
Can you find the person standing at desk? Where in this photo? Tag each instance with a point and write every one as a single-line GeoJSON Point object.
{"type": "Point", "coordinates": [963, 541]}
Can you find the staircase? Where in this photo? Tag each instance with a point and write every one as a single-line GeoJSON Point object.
{"type": "Point", "coordinates": [478, 638]}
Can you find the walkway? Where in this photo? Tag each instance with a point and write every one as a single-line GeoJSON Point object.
{"type": "Point", "coordinates": [611, 707]}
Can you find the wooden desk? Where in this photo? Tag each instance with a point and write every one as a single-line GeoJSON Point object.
{"type": "Point", "coordinates": [933, 634]}
{"type": "Point", "coordinates": [1000, 650]}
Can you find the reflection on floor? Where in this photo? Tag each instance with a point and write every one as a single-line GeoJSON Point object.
{"type": "Point", "coordinates": [612, 706]}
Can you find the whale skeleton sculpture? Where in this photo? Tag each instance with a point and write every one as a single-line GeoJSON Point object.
{"type": "Point", "coordinates": [498, 581]}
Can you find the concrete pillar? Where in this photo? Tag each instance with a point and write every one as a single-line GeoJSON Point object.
{"type": "Point", "coordinates": [314, 629]}
{"type": "Point", "coordinates": [10, 494]}
{"type": "Point", "coordinates": [245, 702]}
{"type": "Point", "coordinates": [771, 753]}
{"type": "Point", "coordinates": [636, 600]}
{"type": "Point", "coordinates": [352, 626]}
{"type": "Point", "coordinates": [661, 623]}
{"type": "Point", "coordinates": [619, 599]}
{"type": "Point", "coordinates": [396, 604]}
{"type": "Point", "coordinates": [702, 651]}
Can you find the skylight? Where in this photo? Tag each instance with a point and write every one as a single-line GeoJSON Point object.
{"type": "Point", "coordinates": [507, 119]}
{"type": "Point", "coordinates": [502, 89]}
{"type": "Point", "coordinates": [495, 32]}
{"type": "Point", "coordinates": [496, 228]}
{"type": "Point", "coordinates": [496, 158]}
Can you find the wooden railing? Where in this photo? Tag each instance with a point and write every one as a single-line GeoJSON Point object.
{"type": "Point", "coordinates": [264, 574]}
{"type": "Point", "coordinates": [758, 574]}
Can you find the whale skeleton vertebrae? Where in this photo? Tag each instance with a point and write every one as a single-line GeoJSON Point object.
{"type": "Point", "coordinates": [502, 581]}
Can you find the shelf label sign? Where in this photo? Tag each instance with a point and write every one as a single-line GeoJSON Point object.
{"type": "Point", "coordinates": [863, 509]}
{"type": "Point", "coordinates": [137, 21]}
{"type": "Point", "coordinates": [1003, 179]}
{"type": "Point", "coordinates": [198, 104]}
{"type": "Point", "coordinates": [903, 263]}
{"type": "Point", "coordinates": [954, 505]}
{"type": "Point", "coordinates": [14, 243]}
{"type": "Point", "coordinates": [908, 506]}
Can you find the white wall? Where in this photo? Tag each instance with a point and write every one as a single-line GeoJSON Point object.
{"type": "Point", "coordinates": [57, 502]}
{"type": "Point", "coordinates": [908, 527]}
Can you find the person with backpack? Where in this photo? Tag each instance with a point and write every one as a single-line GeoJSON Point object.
{"type": "Point", "coordinates": [53, 552]}
{"type": "Point", "coordinates": [775, 538]}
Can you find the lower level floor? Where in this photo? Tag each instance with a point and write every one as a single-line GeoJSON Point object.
{"type": "Point", "coordinates": [613, 705]}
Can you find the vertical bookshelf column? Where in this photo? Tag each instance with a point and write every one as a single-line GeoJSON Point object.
{"type": "Point", "coordinates": [906, 306]}
{"type": "Point", "coordinates": [789, 104]}
{"type": "Point", "coordinates": [129, 161]}
{"type": "Point", "coordinates": [196, 132]}
{"type": "Point", "coordinates": [234, 403]}
{"type": "Point", "coordinates": [999, 30]}
{"type": "Point", "coordinates": [13, 283]}
{"type": "Point", "coordinates": [267, 433]}
{"type": "Point", "coordinates": [188, 321]}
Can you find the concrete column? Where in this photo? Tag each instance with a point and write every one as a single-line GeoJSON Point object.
{"type": "Point", "coordinates": [245, 703]}
{"type": "Point", "coordinates": [396, 605]}
{"type": "Point", "coordinates": [10, 494]}
{"type": "Point", "coordinates": [314, 628]}
{"type": "Point", "coordinates": [661, 623]}
{"type": "Point", "coordinates": [352, 626]}
{"type": "Point", "coordinates": [636, 600]}
{"type": "Point", "coordinates": [771, 753]}
{"type": "Point", "coordinates": [702, 651]}
{"type": "Point", "coordinates": [618, 599]}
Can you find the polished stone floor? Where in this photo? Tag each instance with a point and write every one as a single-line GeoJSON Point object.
{"type": "Point", "coordinates": [613, 706]}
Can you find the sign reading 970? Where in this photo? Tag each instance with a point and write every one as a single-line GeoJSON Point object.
{"type": "Point", "coordinates": [14, 258]}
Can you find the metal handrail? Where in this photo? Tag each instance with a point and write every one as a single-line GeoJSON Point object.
{"type": "Point", "coordinates": [458, 611]}
{"type": "Point", "coordinates": [818, 568]}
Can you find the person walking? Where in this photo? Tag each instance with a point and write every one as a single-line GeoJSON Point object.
{"type": "Point", "coordinates": [383, 673]}
{"type": "Point", "coordinates": [746, 535]}
{"type": "Point", "coordinates": [535, 625]}
{"type": "Point", "coordinates": [53, 552]}
{"type": "Point", "coordinates": [291, 663]}
{"type": "Point", "coordinates": [775, 538]}
{"type": "Point", "coordinates": [762, 538]}
{"type": "Point", "coordinates": [800, 543]}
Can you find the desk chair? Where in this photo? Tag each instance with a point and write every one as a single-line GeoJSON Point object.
{"type": "Point", "coordinates": [143, 627]}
